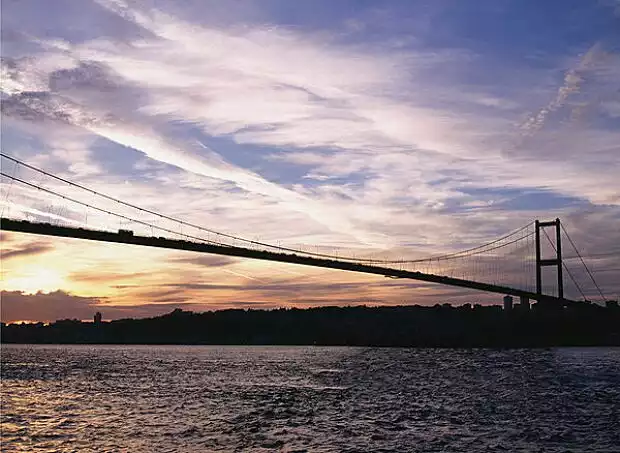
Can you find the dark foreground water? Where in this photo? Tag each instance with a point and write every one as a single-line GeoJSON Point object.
{"type": "Point", "coordinates": [195, 398]}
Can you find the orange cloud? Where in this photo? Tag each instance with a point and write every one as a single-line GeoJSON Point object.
{"type": "Point", "coordinates": [34, 248]}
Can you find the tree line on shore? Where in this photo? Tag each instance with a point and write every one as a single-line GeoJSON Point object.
{"type": "Point", "coordinates": [577, 324]}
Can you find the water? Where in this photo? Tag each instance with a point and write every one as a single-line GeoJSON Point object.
{"type": "Point", "coordinates": [195, 398]}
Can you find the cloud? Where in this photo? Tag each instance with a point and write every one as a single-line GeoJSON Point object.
{"type": "Point", "coordinates": [250, 304]}
{"type": "Point", "coordinates": [5, 237]}
{"type": "Point", "coordinates": [46, 306]}
{"type": "Point", "coordinates": [254, 98]}
{"type": "Point", "coordinates": [572, 84]}
{"type": "Point", "coordinates": [105, 277]}
{"type": "Point", "coordinates": [346, 289]}
{"type": "Point", "coordinates": [49, 307]}
{"type": "Point", "coordinates": [35, 248]}
{"type": "Point", "coordinates": [204, 260]}
{"type": "Point", "coordinates": [59, 105]}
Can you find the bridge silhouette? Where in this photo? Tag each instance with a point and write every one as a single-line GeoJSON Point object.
{"type": "Point", "coordinates": [39, 202]}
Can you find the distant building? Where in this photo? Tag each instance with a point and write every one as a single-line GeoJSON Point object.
{"type": "Point", "coordinates": [97, 318]}
{"type": "Point", "coordinates": [508, 303]}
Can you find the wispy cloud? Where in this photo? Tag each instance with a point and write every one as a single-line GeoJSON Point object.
{"type": "Point", "coordinates": [204, 260]}
{"type": "Point", "coordinates": [572, 83]}
{"type": "Point", "coordinates": [35, 248]}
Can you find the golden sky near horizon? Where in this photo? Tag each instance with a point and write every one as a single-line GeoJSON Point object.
{"type": "Point", "coordinates": [132, 281]}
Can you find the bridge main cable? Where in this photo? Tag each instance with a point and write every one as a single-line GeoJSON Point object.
{"type": "Point", "coordinates": [455, 255]}
{"type": "Point", "coordinates": [26, 226]}
{"type": "Point", "coordinates": [148, 211]}
{"type": "Point", "coordinates": [13, 178]}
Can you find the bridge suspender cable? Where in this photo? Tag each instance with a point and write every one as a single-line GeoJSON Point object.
{"type": "Point", "coordinates": [463, 253]}
{"type": "Point", "coordinates": [453, 261]}
{"type": "Point", "coordinates": [565, 267]}
{"type": "Point", "coordinates": [583, 262]}
{"type": "Point", "coordinates": [163, 216]}
{"type": "Point", "coordinates": [104, 210]}
{"type": "Point", "coordinates": [301, 252]}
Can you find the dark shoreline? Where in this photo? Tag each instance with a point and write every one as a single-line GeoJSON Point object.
{"type": "Point", "coordinates": [439, 326]}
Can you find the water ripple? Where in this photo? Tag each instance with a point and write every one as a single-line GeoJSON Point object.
{"type": "Point", "coordinates": [302, 399]}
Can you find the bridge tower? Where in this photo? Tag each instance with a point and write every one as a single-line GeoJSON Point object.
{"type": "Point", "coordinates": [557, 261]}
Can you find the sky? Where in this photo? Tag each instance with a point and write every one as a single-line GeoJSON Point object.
{"type": "Point", "coordinates": [402, 128]}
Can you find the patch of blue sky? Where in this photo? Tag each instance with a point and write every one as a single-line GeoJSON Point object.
{"type": "Point", "coordinates": [15, 45]}
{"type": "Point", "coordinates": [18, 143]}
{"type": "Point", "coordinates": [58, 21]}
{"type": "Point", "coordinates": [119, 160]}
{"type": "Point", "coordinates": [322, 14]}
{"type": "Point", "coordinates": [540, 200]}
{"type": "Point", "coordinates": [507, 199]}
{"type": "Point", "coordinates": [600, 120]}
{"type": "Point", "coordinates": [449, 177]}
{"type": "Point", "coordinates": [516, 28]}
{"type": "Point", "coordinates": [248, 156]}
{"type": "Point", "coordinates": [506, 28]}
{"type": "Point", "coordinates": [252, 157]}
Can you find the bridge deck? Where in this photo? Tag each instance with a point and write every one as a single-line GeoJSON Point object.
{"type": "Point", "coordinates": [24, 226]}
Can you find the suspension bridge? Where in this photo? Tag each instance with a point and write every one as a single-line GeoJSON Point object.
{"type": "Point", "coordinates": [36, 201]}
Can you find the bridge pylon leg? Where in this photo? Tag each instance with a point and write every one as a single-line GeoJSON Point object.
{"type": "Point", "coordinates": [538, 266]}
